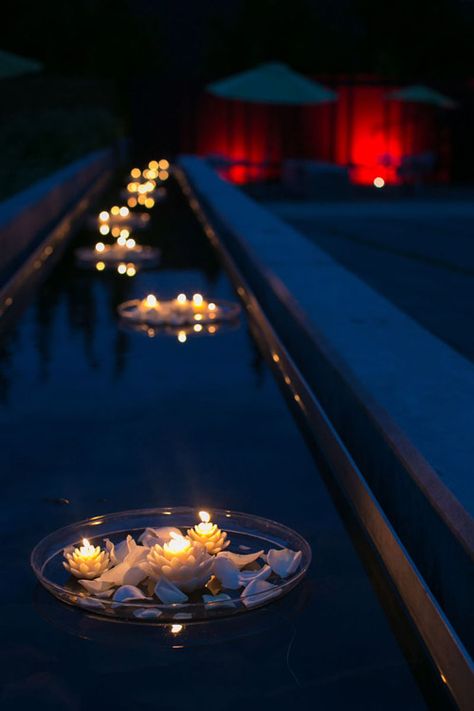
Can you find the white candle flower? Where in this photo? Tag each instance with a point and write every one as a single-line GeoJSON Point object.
{"type": "Point", "coordinates": [209, 534]}
{"type": "Point", "coordinates": [183, 562]}
{"type": "Point", "coordinates": [86, 562]}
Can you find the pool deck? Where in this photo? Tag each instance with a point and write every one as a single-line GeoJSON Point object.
{"type": "Point", "coordinates": [401, 399]}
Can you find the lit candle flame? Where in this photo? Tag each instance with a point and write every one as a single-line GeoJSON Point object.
{"type": "Point", "coordinates": [181, 298]}
{"type": "Point", "coordinates": [197, 300]}
{"type": "Point", "coordinates": [176, 629]}
{"type": "Point", "coordinates": [151, 301]}
{"type": "Point", "coordinates": [86, 549]}
{"type": "Point", "coordinates": [204, 516]}
{"type": "Point", "coordinates": [182, 337]}
{"type": "Point", "coordinates": [211, 306]}
{"type": "Point", "coordinates": [177, 544]}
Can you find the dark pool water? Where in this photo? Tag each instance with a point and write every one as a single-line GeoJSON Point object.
{"type": "Point", "coordinates": [109, 420]}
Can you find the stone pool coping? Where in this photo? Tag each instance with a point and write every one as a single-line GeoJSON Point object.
{"type": "Point", "coordinates": [400, 399]}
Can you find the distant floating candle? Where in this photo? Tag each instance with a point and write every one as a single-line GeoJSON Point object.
{"type": "Point", "coordinates": [209, 534]}
{"type": "Point", "coordinates": [86, 562]}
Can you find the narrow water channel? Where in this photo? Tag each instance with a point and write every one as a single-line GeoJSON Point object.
{"type": "Point", "coordinates": [95, 419]}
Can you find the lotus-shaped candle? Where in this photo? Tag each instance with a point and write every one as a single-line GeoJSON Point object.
{"type": "Point", "coordinates": [209, 534]}
{"type": "Point", "coordinates": [86, 562]}
{"type": "Point", "coordinates": [183, 562]}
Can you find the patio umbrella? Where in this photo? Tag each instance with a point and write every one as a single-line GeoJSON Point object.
{"type": "Point", "coordinates": [12, 65]}
{"type": "Point", "coordinates": [419, 94]}
{"type": "Point", "coordinates": [272, 83]}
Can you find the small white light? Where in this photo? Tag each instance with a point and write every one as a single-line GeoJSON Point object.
{"type": "Point", "coordinates": [151, 301]}
{"type": "Point", "coordinates": [197, 300]}
{"type": "Point", "coordinates": [104, 216]}
{"type": "Point", "coordinates": [100, 246]}
{"type": "Point", "coordinates": [379, 182]}
{"type": "Point", "coordinates": [211, 306]}
{"type": "Point", "coordinates": [122, 268]}
{"type": "Point", "coordinates": [182, 337]}
{"type": "Point", "coordinates": [104, 229]}
{"type": "Point", "coordinates": [121, 241]}
{"type": "Point", "coordinates": [181, 298]}
{"type": "Point", "coordinates": [124, 211]}
{"type": "Point", "coordinates": [130, 243]}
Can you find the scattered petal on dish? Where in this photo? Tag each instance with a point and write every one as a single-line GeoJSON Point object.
{"type": "Point", "coordinates": [221, 600]}
{"type": "Point", "coordinates": [258, 591]}
{"type": "Point", "coordinates": [168, 592]}
{"type": "Point", "coordinates": [95, 587]}
{"type": "Point", "coordinates": [152, 536]}
{"type": "Point", "coordinates": [226, 572]}
{"type": "Point", "coordinates": [127, 593]}
{"type": "Point", "coordinates": [147, 613]}
{"type": "Point", "coordinates": [284, 562]}
{"type": "Point", "coordinates": [246, 576]}
{"type": "Point", "coordinates": [240, 560]}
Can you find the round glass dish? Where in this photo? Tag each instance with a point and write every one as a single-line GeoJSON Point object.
{"type": "Point", "coordinates": [246, 532]}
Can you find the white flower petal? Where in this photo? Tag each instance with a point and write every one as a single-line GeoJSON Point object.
{"type": "Point", "coordinates": [168, 593]}
{"type": "Point", "coordinates": [246, 576]}
{"type": "Point", "coordinates": [226, 572]}
{"type": "Point", "coordinates": [127, 593]}
{"type": "Point", "coordinates": [221, 600]}
{"type": "Point", "coordinates": [284, 562]}
{"type": "Point", "coordinates": [147, 613]}
{"type": "Point", "coordinates": [240, 560]}
{"type": "Point", "coordinates": [95, 587]}
{"type": "Point", "coordinates": [258, 591]}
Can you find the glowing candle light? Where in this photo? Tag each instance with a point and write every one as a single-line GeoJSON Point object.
{"type": "Point", "coordinates": [135, 172]}
{"type": "Point", "coordinates": [100, 266]}
{"type": "Point", "coordinates": [197, 327]}
{"type": "Point", "coordinates": [86, 562]}
{"type": "Point", "coordinates": [132, 202]}
{"type": "Point", "coordinates": [104, 229]}
{"type": "Point", "coordinates": [122, 268]}
{"type": "Point", "coordinates": [130, 243]}
{"type": "Point", "coordinates": [131, 271]}
{"type": "Point", "coordinates": [197, 300]}
{"type": "Point", "coordinates": [208, 534]}
{"type": "Point", "coordinates": [100, 247]}
{"type": "Point", "coordinates": [151, 301]}
{"type": "Point", "coordinates": [149, 203]}
{"type": "Point", "coordinates": [115, 210]}
{"type": "Point", "coordinates": [211, 306]}
{"type": "Point", "coordinates": [104, 216]}
{"type": "Point", "coordinates": [122, 241]}
{"type": "Point", "coordinates": [153, 164]}
{"type": "Point", "coordinates": [177, 545]}
{"type": "Point", "coordinates": [182, 337]}
{"type": "Point", "coordinates": [115, 231]}
{"type": "Point", "coordinates": [379, 182]}
{"type": "Point", "coordinates": [125, 233]}
{"type": "Point", "coordinates": [124, 211]}
{"type": "Point", "coordinates": [163, 164]}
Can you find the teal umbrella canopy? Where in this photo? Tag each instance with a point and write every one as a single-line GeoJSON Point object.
{"type": "Point", "coordinates": [419, 94]}
{"type": "Point", "coordinates": [11, 65]}
{"type": "Point", "coordinates": [272, 83]}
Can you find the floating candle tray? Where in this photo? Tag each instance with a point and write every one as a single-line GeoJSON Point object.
{"type": "Point", "coordinates": [115, 254]}
{"type": "Point", "coordinates": [260, 550]}
{"type": "Point", "coordinates": [165, 313]}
